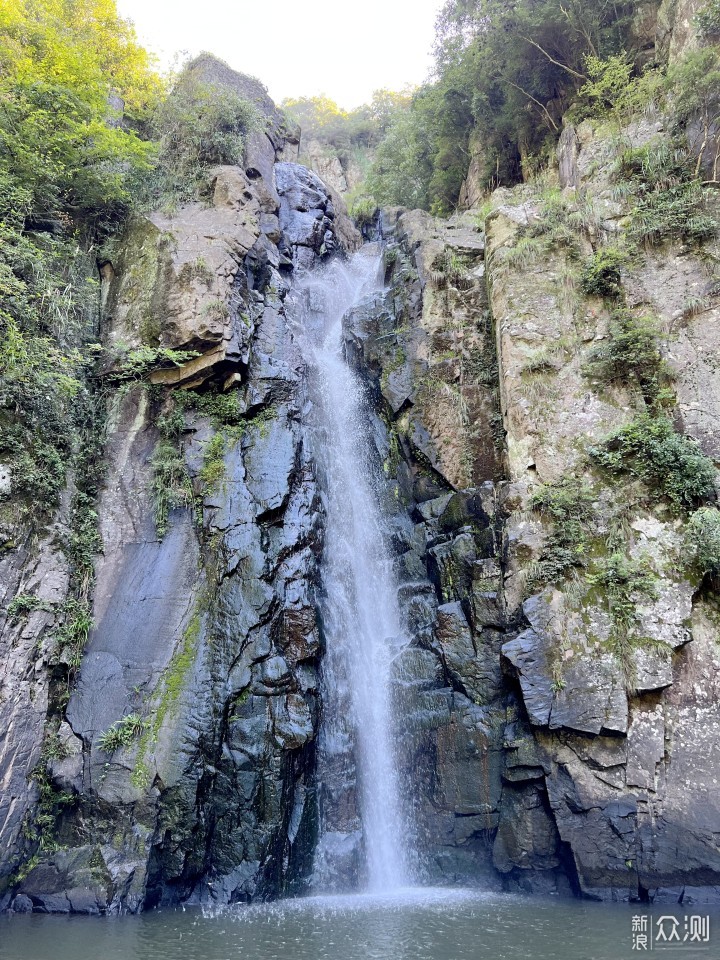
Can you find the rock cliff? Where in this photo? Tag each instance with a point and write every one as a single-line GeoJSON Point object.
{"type": "Point", "coordinates": [558, 702]}
{"type": "Point", "coordinates": [177, 762]}
{"type": "Point", "coordinates": [561, 708]}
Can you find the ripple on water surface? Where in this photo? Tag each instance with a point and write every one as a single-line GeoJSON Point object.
{"type": "Point", "coordinates": [409, 924]}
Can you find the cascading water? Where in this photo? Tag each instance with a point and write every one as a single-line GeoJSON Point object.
{"type": "Point", "coordinates": [360, 614]}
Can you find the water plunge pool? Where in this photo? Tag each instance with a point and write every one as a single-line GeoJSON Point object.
{"type": "Point", "coordinates": [412, 924]}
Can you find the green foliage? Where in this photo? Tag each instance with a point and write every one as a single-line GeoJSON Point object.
{"type": "Point", "coordinates": [558, 223]}
{"type": "Point", "coordinates": [667, 201]}
{"type": "Point", "coordinates": [135, 364]}
{"type": "Point", "coordinates": [391, 365]}
{"type": "Point", "coordinates": [23, 604]}
{"type": "Point", "coordinates": [84, 542]}
{"type": "Point", "coordinates": [63, 62]}
{"type": "Point", "coordinates": [344, 131]}
{"type": "Point", "coordinates": [560, 220]}
{"type": "Point", "coordinates": [197, 126]}
{"type": "Point", "coordinates": [65, 180]}
{"type": "Point", "coordinates": [568, 507]}
{"type": "Point", "coordinates": [608, 81]}
{"type": "Point", "coordinates": [171, 487]}
{"type": "Point", "coordinates": [40, 383]}
{"type": "Point", "coordinates": [708, 18]}
{"type": "Point", "coordinates": [261, 421]}
{"type": "Point", "coordinates": [630, 355]}
{"type": "Point", "coordinates": [213, 468]}
{"type": "Point", "coordinates": [72, 637]}
{"type": "Point", "coordinates": [614, 91]}
{"type": "Point", "coordinates": [482, 363]}
{"type": "Point", "coordinates": [53, 748]}
{"type": "Point", "coordinates": [363, 210]}
{"type": "Point", "coordinates": [176, 675]}
{"type": "Point", "coordinates": [319, 117]}
{"type": "Point", "coordinates": [508, 72]}
{"type": "Point", "coordinates": [694, 85]}
{"type": "Point", "coordinates": [40, 828]}
{"type": "Point", "coordinates": [223, 409]}
{"type": "Point", "coordinates": [216, 309]}
{"type": "Point", "coordinates": [402, 167]}
{"type": "Point", "coordinates": [669, 464]}
{"type": "Point", "coordinates": [703, 540]}
{"type": "Point", "coordinates": [622, 581]}
{"type": "Point", "coordinates": [122, 733]}
{"type": "Point", "coordinates": [601, 276]}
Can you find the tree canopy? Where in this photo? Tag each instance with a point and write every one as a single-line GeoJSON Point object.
{"type": "Point", "coordinates": [66, 68]}
{"type": "Point", "coordinates": [320, 118]}
{"type": "Point", "coordinates": [508, 71]}
{"type": "Point", "coordinates": [74, 86]}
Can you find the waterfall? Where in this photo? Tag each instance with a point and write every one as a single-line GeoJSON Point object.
{"type": "Point", "coordinates": [360, 807]}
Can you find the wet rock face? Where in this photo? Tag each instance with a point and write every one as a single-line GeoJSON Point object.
{"type": "Point", "coordinates": [313, 219]}
{"type": "Point", "coordinates": [206, 634]}
{"type": "Point", "coordinates": [537, 753]}
{"type": "Point", "coordinates": [431, 428]}
{"type": "Point", "coordinates": [39, 570]}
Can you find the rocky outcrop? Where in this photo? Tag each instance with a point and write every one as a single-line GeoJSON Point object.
{"type": "Point", "coordinates": [180, 765]}
{"type": "Point", "coordinates": [477, 181]}
{"type": "Point", "coordinates": [677, 29]}
{"type": "Point", "coordinates": [282, 134]}
{"type": "Point", "coordinates": [341, 174]}
{"type": "Point", "coordinates": [38, 570]}
{"type": "Point", "coordinates": [615, 818]}
{"type": "Point", "coordinates": [546, 749]}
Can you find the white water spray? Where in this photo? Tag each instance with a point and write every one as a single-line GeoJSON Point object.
{"type": "Point", "coordinates": [361, 619]}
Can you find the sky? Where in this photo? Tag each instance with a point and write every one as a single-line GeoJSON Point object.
{"type": "Point", "coordinates": [298, 47]}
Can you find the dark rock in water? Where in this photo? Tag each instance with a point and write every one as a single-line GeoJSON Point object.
{"type": "Point", "coordinates": [22, 904]}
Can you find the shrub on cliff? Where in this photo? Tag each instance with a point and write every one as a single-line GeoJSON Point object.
{"type": "Point", "coordinates": [197, 126]}
{"type": "Point", "coordinates": [363, 210]}
{"type": "Point", "coordinates": [670, 464]}
{"type": "Point", "coordinates": [703, 539]}
{"type": "Point", "coordinates": [667, 200]}
{"type": "Point", "coordinates": [630, 355]}
{"type": "Point", "coordinates": [567, 506]}
{"type": "Point", "coordinates": [708, 18]}
{"type": "Point", "coordinates": [600, 275]}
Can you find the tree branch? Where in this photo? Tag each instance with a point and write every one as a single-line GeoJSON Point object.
{"type": "Point", "coordinates": [574, 73]}
{"type": "Point", "coordinates": [531, 97]}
